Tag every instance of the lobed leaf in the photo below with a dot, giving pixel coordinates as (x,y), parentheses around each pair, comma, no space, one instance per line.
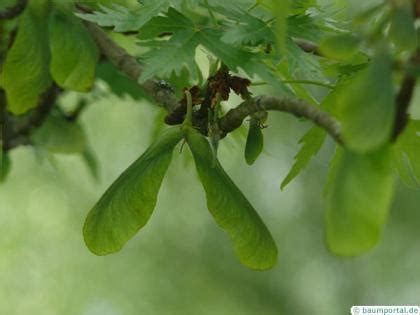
(73,52)
(253,243)
(302,65)
(243,27)
(236,58)
(124,20)
(128,203)
(358,201)
(178,52)
(312,142)
(172,22)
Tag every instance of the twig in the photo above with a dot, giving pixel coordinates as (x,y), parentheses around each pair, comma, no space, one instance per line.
(18,128)
(403,98)
(36,117)
(14,11)
(402,102)
(310,82)
(162,94)
(233,118)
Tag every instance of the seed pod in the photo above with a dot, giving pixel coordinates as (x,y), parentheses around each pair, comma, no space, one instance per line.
(128,203)
(254,142)
(253,242)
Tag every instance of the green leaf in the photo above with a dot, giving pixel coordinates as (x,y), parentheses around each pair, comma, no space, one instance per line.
(98,3)
(366,106)
(5,164)
(73,52)
(280,10)
(402,31)
(302,65)
(254,142)
(340,46)
(358,201)
(244,27)
(177,53)
(301,6)
(407,155)
(25,74)
(312,142)
(232,56)
(236,58)
(253,242)
(172,22)
(118,82)
(124,20)
(128,203)
(57,135)
(304,26)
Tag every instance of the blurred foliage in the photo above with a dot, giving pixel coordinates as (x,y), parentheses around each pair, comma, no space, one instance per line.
(171,269)
(181,263)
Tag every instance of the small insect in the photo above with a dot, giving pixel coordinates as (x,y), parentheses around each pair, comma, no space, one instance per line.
(162,84)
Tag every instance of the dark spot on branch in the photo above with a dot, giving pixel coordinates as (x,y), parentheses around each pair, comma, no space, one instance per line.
(402,103)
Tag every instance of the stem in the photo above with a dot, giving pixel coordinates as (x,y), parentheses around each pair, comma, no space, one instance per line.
(252,7)
(212,17)
(233,119)
(188,115)
(300,108)
(311,82)
(403,99)
(130,66)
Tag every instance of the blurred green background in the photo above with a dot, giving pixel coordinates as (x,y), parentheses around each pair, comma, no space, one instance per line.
(181,262)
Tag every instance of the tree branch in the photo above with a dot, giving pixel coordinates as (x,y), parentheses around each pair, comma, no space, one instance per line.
(14,11)
(162,94)
(16,129)
(300,108)
(233,119)
(403,98)
(36,117)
